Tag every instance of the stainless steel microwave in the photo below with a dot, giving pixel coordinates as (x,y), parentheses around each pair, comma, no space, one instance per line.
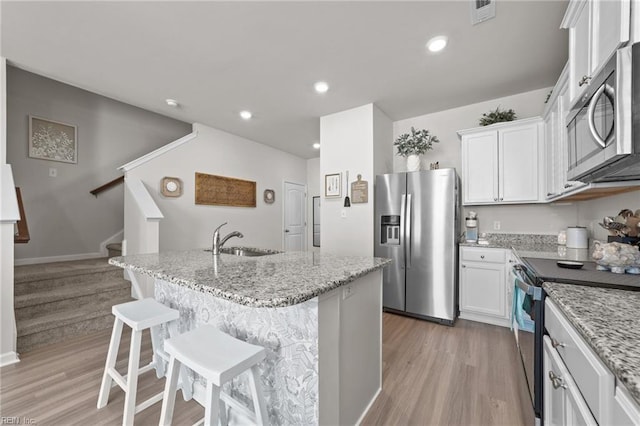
(604,126)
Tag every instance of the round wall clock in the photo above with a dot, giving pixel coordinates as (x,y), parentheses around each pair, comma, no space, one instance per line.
(269,196)
(171,187)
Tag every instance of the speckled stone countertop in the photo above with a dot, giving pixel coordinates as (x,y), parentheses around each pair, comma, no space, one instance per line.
(608,321)
(533,245)
(275,280)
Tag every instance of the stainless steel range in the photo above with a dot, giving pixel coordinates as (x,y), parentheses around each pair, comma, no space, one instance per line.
(528,319)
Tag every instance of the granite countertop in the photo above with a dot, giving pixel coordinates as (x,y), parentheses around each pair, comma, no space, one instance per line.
(275,280)
(608,321)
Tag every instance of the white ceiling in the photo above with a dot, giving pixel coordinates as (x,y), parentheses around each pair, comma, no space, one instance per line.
(217,58)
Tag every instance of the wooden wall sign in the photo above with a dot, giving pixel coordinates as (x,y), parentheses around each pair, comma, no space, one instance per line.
(360,191)
(215,190)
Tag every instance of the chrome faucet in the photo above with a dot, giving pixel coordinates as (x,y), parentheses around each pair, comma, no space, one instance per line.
(218,243)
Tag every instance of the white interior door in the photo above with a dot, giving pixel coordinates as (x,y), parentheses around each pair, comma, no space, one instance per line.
(294,217)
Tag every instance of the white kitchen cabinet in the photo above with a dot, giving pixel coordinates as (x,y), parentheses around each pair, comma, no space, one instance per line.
(596,29)
(483,289)
(579,365)
(563,403)
(501,163)
(555,146)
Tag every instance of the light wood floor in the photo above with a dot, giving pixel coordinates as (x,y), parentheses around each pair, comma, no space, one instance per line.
(432,375)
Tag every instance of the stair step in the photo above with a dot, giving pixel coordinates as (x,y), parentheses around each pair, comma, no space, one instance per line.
(114,249)
(56,270)
(104,275)
(57,327)
(99,301)
(67,291)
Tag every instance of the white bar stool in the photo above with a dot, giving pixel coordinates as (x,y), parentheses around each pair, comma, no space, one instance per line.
(218,358)
(139,315)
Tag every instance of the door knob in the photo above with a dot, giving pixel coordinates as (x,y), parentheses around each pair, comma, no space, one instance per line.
(286,230)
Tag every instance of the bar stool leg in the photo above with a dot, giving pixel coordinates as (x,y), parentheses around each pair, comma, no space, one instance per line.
(169,396)
(259,405)
(211,410)
(112,355)
(155,346)
(132,379)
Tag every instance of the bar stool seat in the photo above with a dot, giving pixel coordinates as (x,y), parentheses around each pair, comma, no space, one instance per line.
(139,315)
(218,358)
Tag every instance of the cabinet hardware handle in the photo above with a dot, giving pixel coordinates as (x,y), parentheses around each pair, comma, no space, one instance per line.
(555,343)
(556,381)
(501,199)
(495,199)
(567,185)
(464,266)
(584,80)
(482,256)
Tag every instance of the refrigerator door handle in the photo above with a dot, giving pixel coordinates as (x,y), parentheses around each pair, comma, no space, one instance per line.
(408,232)
(403,223)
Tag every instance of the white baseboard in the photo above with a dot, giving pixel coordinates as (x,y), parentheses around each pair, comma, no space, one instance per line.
(366,410)
(63,258)
(115,238)
(8,358)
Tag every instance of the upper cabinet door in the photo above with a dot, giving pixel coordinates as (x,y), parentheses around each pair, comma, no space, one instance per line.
(610,29)
(480,166)
(518,176)
(596,29)
(580,51)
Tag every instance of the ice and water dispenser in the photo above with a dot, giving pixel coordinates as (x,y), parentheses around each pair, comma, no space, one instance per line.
(390,230)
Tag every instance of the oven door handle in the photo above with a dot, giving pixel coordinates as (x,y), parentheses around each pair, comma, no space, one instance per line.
(533,291)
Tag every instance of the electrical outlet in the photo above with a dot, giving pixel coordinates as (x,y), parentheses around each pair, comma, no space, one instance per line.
(53,172)
(343,213)
(496,225)
(347,292)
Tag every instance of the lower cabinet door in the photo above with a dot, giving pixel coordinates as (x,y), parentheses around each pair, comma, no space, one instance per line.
(563,403)
(482,289)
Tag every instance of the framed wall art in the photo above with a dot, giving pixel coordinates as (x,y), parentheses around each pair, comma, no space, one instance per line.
(332,185)
(52,140)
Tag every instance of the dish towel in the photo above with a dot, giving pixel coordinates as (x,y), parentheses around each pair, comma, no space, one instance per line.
(518,313)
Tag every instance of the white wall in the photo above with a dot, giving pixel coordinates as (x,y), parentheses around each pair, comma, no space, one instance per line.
(110,133)
(349,141)
(187,225)
(313,189)
(591,212)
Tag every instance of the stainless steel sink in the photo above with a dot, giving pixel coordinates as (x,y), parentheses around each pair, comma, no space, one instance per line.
(243,252)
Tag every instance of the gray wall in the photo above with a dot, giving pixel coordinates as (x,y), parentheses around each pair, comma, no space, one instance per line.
(64,219)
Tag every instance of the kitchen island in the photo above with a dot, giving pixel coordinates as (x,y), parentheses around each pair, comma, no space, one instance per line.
(318,315)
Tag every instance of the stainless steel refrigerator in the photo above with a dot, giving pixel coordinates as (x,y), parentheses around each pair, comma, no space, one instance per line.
(417,225)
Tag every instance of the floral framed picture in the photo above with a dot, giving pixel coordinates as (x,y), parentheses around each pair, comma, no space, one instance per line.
(332,185)
(53,140)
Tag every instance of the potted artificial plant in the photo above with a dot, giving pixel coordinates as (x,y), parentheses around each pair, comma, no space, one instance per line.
(413,145)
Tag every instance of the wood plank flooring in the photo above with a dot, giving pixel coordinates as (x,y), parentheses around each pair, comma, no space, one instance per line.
(432,375)
(438,375)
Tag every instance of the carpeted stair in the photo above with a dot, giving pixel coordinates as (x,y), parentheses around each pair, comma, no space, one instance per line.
(55,301)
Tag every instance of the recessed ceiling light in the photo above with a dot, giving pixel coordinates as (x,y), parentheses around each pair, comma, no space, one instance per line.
(321,86)
(316,145)
(246,115)
(436,44)
(172,103)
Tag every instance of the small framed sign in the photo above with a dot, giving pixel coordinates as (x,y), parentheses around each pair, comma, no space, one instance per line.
(360,191)
(332,185)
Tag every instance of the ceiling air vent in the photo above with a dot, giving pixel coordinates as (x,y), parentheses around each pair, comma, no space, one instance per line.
(482,10)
